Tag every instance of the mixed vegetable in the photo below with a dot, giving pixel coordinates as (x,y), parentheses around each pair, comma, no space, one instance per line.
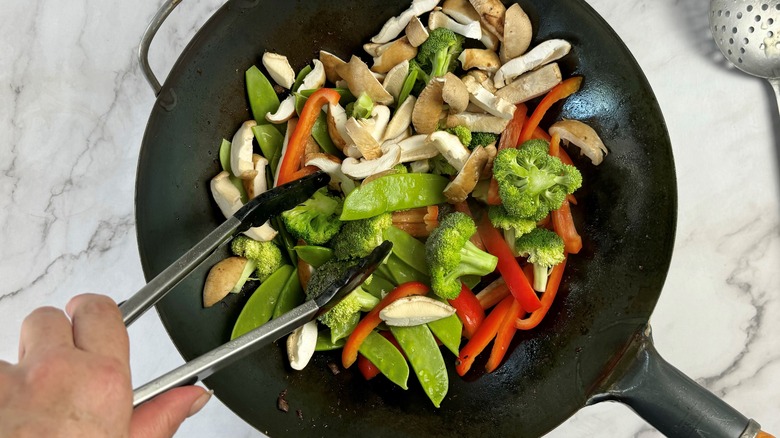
(437,148)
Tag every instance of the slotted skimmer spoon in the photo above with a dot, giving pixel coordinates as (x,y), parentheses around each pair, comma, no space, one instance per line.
(748,34)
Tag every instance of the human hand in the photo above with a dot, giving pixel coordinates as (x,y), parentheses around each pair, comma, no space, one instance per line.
(73,379)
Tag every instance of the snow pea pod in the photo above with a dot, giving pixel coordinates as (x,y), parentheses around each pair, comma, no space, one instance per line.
(262,97)
(378,286)
(383,354)
(324,342)
(313,254)
(341,331)
(260,306)
(290,296)
(393,193)
(403,273)
(420,348)
(407,248)
(270,141)
(300,77)
(448,330)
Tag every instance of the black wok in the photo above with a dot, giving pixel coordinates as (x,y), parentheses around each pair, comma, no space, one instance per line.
(594,345)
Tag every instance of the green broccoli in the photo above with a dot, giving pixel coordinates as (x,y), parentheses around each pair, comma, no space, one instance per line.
(463,133)
(531,183)
(361,108)
(544,249)
(440,166)
(439,53)
(265,255)
(415,81)
(344,316)
(482,139)
(513,227)
(358,238)
(451,255)
(315,221)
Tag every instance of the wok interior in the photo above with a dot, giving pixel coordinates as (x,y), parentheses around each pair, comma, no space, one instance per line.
(626,214)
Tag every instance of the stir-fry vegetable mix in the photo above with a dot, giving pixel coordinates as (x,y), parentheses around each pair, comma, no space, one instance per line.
(437,147)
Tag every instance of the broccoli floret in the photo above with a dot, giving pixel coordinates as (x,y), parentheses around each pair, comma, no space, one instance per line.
(440,166)
(531,183)
(266,255)
(463,133)
(439,53)
(358,238)
(343,313)
(513,226)
(482,139)
(451,255)
(544,249)
(315,221)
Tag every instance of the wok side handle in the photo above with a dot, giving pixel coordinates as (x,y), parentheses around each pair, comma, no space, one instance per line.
(146,42)
(668,399)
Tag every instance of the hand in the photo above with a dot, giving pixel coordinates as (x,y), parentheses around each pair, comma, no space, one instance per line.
(73,379)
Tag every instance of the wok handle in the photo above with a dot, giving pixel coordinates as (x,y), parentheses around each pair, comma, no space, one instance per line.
(146,41)
(668,399)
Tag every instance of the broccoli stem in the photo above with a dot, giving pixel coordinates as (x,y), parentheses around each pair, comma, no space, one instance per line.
(540,277)
(440,63)
(510,236)
(473,261)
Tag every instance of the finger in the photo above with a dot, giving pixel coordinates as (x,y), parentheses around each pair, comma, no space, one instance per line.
(161,416)
(44,328)
(98,326)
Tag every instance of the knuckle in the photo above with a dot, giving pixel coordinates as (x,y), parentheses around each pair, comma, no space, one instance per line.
(99,305)
(41,312)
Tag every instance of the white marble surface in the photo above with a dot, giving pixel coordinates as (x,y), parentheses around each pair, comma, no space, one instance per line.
(73,106)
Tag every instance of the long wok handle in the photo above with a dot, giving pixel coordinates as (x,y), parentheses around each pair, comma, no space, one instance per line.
(146,42)
(668,399)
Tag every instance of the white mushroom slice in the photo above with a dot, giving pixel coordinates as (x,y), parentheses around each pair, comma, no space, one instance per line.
(400,137)
(582,136)
(364,168)
(454,94)
(399,50)
(490,41)
(341,83)
(394,26)
(376,49)
(352,151)
(241,151)
(316,77)
(532,84)
(279,68)
(228,199)
(417,147)
(394,79)
(258,184)
(332,166)
(450,147)
(360,80)
(460,10)
(459,188)
(491,13)
(291,124)
(380,116)
(439,19)
(301,344)
(378,76)
(222,279)
(401,120)
(263,233)
(337,120)
(472,108)
(544,53)
(428,108)
(414,310)
(420,166)
(285,112)
(487,169)
(478,122)
(363,139)
(488,101)
(517,32)
(481,59)
(329,64)
(482,79)
(416,32)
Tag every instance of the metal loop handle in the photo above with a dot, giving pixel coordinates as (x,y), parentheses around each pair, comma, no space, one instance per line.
(146,41)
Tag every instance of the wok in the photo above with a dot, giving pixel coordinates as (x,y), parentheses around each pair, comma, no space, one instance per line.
(594,345)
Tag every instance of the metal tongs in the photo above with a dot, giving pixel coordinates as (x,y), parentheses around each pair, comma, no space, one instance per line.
(253,214)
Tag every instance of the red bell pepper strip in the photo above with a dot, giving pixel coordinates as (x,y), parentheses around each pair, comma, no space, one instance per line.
(469,311)
(289,167)
(555,145)
(507,265)
(563,224)
(506,331)
(463,207)
(371,320)
(493,197)
(539,134)
(560,91)
(485,333)
(367,369)
(512,131)
(553,283)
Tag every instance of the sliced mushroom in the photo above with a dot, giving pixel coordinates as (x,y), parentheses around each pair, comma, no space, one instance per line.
(222,278)
(363,139)
(532,84)
(399,51)
(310,148)
(416,32)
(544,53)
(394,26)
(478,122)
(487,170)
(329,64)
(368,179)
(438,19)
(291,124)
(420,166)
(241,151)
(488,101)
(406,133)
(364,168)
(225,194)
(482,79)
(481,59)
(337,120)
(450,148)
(394,79)
(380,117)
(459,188)
(379,76)
(417,147)
(301,344)
(414,310)
(428,108)
(316,77)
(454,94)
(489,39)
(517,32)
(360,80)
(258,184)
(285,112)
(460,10)
(376,49)
(401,120)
(491,13)
(332,166)
(263,233)
(582,136)
(279,68)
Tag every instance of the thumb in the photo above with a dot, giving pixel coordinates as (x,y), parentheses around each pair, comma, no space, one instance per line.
(161,416)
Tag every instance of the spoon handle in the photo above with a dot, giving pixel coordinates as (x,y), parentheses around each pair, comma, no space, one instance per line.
(776,86)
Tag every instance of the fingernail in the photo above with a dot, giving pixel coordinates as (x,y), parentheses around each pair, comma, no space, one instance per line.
(200,402)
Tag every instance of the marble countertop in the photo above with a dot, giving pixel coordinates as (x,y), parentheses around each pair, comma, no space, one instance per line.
(73,107)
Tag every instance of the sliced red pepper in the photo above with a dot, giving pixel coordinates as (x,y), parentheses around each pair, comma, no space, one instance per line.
(512,131)
(539,134)
(469,311)
(560,91)
(463,207)
(506,331)
(371,320)
(563,224)
(553,283)
(507,265)
(296,146)
(555,145)
(367,368)
(493,197)
(485,333)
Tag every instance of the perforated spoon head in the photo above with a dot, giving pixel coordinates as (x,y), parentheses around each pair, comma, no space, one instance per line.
(748,34)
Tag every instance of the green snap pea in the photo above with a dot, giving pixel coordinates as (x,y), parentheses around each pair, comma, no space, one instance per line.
(420,348)
(383,354)
(300,77)
(260,306)
(384,272)
(378,286)
(270,141)
(324,342)
(407,248)
(224,161)
(392,193)
(291,295)
(341,331)
(448,330)
(403,273)
(284,239)
(262,97)
(313,254)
